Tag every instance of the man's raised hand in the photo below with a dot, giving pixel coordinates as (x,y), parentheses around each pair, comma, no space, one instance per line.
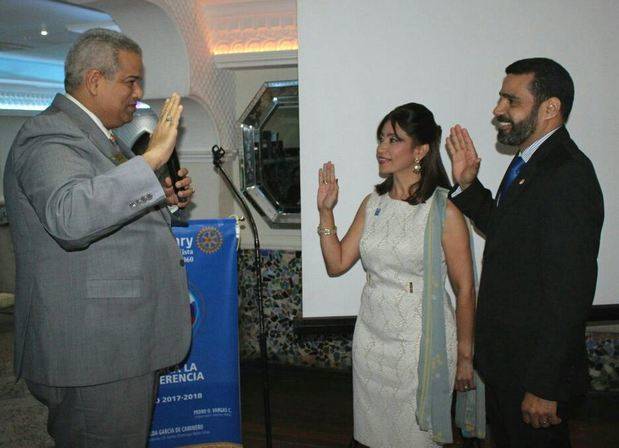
(464,159)
(163,139)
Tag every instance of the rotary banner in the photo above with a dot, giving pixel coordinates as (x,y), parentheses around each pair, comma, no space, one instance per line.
(198,401)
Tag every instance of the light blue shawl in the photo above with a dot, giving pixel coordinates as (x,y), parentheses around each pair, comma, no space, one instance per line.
(435,387)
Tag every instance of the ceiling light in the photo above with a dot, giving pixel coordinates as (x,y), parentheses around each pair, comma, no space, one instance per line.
(44,31)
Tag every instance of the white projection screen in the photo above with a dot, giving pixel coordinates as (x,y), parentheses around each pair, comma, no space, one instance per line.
(360,58)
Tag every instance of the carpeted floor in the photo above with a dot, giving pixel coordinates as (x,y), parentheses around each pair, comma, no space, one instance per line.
(22,418)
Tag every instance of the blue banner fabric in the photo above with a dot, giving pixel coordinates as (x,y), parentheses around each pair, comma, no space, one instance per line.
(198,402)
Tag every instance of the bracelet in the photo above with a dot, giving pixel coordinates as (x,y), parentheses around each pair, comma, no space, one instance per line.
(326,231)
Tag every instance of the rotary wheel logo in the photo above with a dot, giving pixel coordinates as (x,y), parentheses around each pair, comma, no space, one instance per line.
(209,240)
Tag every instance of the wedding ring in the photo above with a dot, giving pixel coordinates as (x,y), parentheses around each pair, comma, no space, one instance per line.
(324,181)
(168,118)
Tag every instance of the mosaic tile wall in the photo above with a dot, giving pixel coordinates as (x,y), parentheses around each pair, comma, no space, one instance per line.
(603,353)
(282,304)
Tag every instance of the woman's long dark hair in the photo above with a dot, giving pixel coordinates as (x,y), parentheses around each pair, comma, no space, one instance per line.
(418,123)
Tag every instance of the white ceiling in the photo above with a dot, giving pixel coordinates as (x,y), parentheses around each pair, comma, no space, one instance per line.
(31,62)
(21,22)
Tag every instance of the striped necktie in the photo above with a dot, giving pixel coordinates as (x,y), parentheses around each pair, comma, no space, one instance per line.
(118,157)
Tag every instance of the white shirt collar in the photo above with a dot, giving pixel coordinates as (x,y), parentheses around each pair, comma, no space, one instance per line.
(528,152)
(94,118)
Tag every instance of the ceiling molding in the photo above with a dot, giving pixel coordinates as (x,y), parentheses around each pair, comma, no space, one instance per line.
(223,8)
(257,60)
(81,28)
(251,27)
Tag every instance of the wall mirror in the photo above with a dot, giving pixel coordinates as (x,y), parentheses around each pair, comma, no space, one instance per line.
(270,160)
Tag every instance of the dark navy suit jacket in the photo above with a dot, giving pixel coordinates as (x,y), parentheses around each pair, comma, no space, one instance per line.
(539,271)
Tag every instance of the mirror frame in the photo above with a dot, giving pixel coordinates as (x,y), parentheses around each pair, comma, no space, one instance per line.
(269,97)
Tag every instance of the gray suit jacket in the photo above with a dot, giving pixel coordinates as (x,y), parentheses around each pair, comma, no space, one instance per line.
(101,290)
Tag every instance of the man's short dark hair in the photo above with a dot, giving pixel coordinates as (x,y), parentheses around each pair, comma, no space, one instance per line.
(551,80)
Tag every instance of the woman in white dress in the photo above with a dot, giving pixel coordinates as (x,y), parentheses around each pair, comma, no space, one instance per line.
(388,234)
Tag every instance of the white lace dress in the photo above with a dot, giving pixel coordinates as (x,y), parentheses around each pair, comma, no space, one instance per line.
(388,329)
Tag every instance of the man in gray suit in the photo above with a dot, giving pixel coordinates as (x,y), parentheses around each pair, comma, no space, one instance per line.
(101,299)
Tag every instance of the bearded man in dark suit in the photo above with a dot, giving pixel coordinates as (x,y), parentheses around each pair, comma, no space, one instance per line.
(539,266)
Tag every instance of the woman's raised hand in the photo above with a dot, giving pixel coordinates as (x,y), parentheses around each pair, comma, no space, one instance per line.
(327,187)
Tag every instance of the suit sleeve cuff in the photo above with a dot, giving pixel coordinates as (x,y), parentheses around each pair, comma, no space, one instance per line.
(143,186)
(458,193)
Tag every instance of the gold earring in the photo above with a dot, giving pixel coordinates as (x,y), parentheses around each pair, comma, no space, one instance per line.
(417,166)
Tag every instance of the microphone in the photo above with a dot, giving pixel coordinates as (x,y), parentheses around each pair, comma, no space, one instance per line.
(174,166)
(179,217)
(218,155)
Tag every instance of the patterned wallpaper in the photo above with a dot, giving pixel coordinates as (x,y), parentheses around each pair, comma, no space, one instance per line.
(213,88)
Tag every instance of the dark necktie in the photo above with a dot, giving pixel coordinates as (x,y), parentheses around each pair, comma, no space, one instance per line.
(512,173)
